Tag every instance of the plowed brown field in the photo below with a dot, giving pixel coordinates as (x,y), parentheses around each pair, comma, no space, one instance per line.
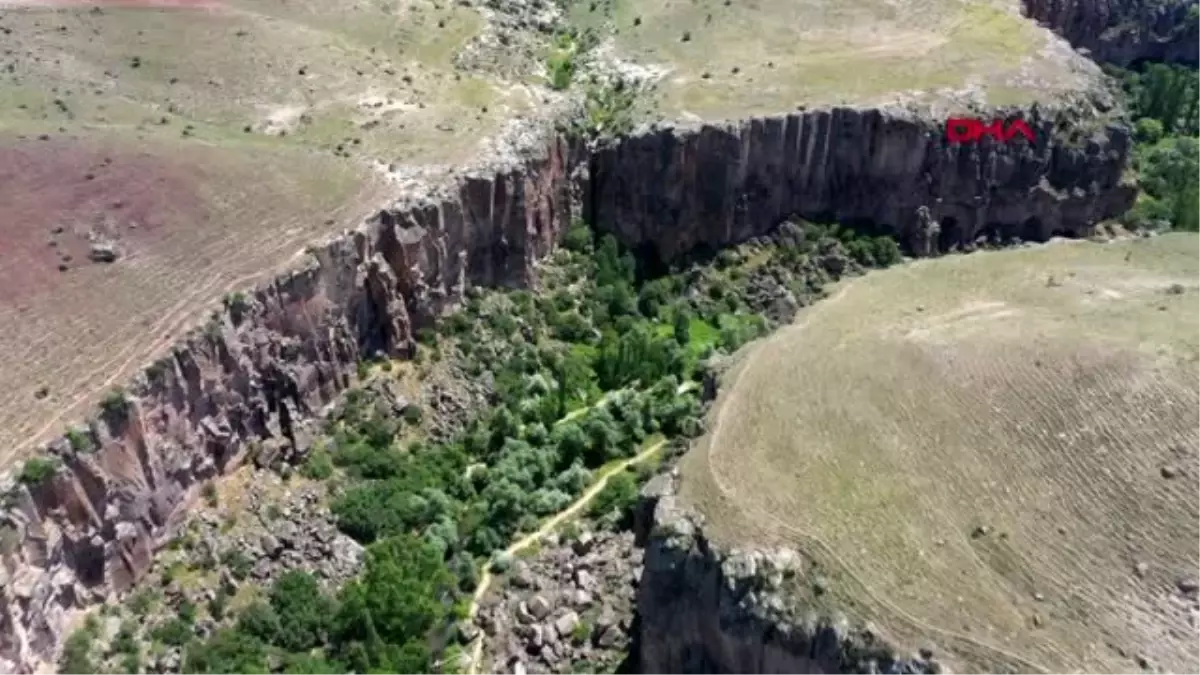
(210,141)
(191,222)
(993,453)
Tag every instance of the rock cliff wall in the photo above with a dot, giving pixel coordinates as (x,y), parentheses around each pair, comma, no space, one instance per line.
(246,381)
(703,610)
(1125,31)
(677,190)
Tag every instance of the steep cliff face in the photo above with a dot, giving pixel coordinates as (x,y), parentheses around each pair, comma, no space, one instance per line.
(244,382)
(703,610)
(717,184)
(1125,31)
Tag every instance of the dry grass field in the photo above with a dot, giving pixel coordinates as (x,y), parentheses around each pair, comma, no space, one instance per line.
(210,141)
(993,454)
(192,222)
(730,58)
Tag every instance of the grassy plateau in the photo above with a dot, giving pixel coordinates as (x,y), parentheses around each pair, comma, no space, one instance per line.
(733,58)
(993,452)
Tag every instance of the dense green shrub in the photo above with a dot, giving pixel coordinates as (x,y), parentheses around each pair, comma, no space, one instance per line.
(1166,124)
(76,655)
(619,496)
(1168,173)
(430,514)
(175,632)
(386,614)
(318,465)
(229,650)
(303,611)
(38,469)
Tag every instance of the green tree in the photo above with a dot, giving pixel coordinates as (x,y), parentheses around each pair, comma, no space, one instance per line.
(304,612)
(571,442)
(1167,94)
(404,592)
(1148,130)
(227,651)
(308,664)
(681,327)
(613,267)
(578,237)
(259,621)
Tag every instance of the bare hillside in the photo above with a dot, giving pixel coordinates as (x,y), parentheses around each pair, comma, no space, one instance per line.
(194,148)
(729,58)
(992,453)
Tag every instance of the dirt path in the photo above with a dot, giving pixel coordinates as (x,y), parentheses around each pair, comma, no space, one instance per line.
(485,581)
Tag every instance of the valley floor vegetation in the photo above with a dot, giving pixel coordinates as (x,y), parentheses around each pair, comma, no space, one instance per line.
(584,373)
(1163,101)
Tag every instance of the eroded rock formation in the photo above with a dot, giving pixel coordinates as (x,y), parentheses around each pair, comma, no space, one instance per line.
(718,184)
(243,382)
(705,610)
(1125,31)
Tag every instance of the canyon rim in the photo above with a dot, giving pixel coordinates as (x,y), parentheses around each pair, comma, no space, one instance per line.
(254,376)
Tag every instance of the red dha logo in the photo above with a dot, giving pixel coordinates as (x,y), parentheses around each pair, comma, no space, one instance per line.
(966,130)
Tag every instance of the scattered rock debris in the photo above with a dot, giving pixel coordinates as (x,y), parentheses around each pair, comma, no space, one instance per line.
(570,603)
(103,252)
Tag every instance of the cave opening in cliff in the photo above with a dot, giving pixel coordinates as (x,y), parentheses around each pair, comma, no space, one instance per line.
(992,234)
(1031,230)
(700,254)
(866,227)
(950,236)
(650,262)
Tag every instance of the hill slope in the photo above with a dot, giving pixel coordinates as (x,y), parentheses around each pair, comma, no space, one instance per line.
(993,452)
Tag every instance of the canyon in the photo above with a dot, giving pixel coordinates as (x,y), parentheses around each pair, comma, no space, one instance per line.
(1125,31)
(249,378)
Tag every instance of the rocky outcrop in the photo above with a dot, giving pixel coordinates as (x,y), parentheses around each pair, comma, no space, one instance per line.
(1125,31)
(244,381)
(677,190)
(705,610)
(568,604)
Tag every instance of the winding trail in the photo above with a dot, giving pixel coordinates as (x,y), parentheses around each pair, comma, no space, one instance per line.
(485,581)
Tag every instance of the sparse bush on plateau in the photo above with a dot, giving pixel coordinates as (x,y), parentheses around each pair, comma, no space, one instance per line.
(209,492)
(236,302)
(78,439)
(115,402)
(38,469)
(562,68)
